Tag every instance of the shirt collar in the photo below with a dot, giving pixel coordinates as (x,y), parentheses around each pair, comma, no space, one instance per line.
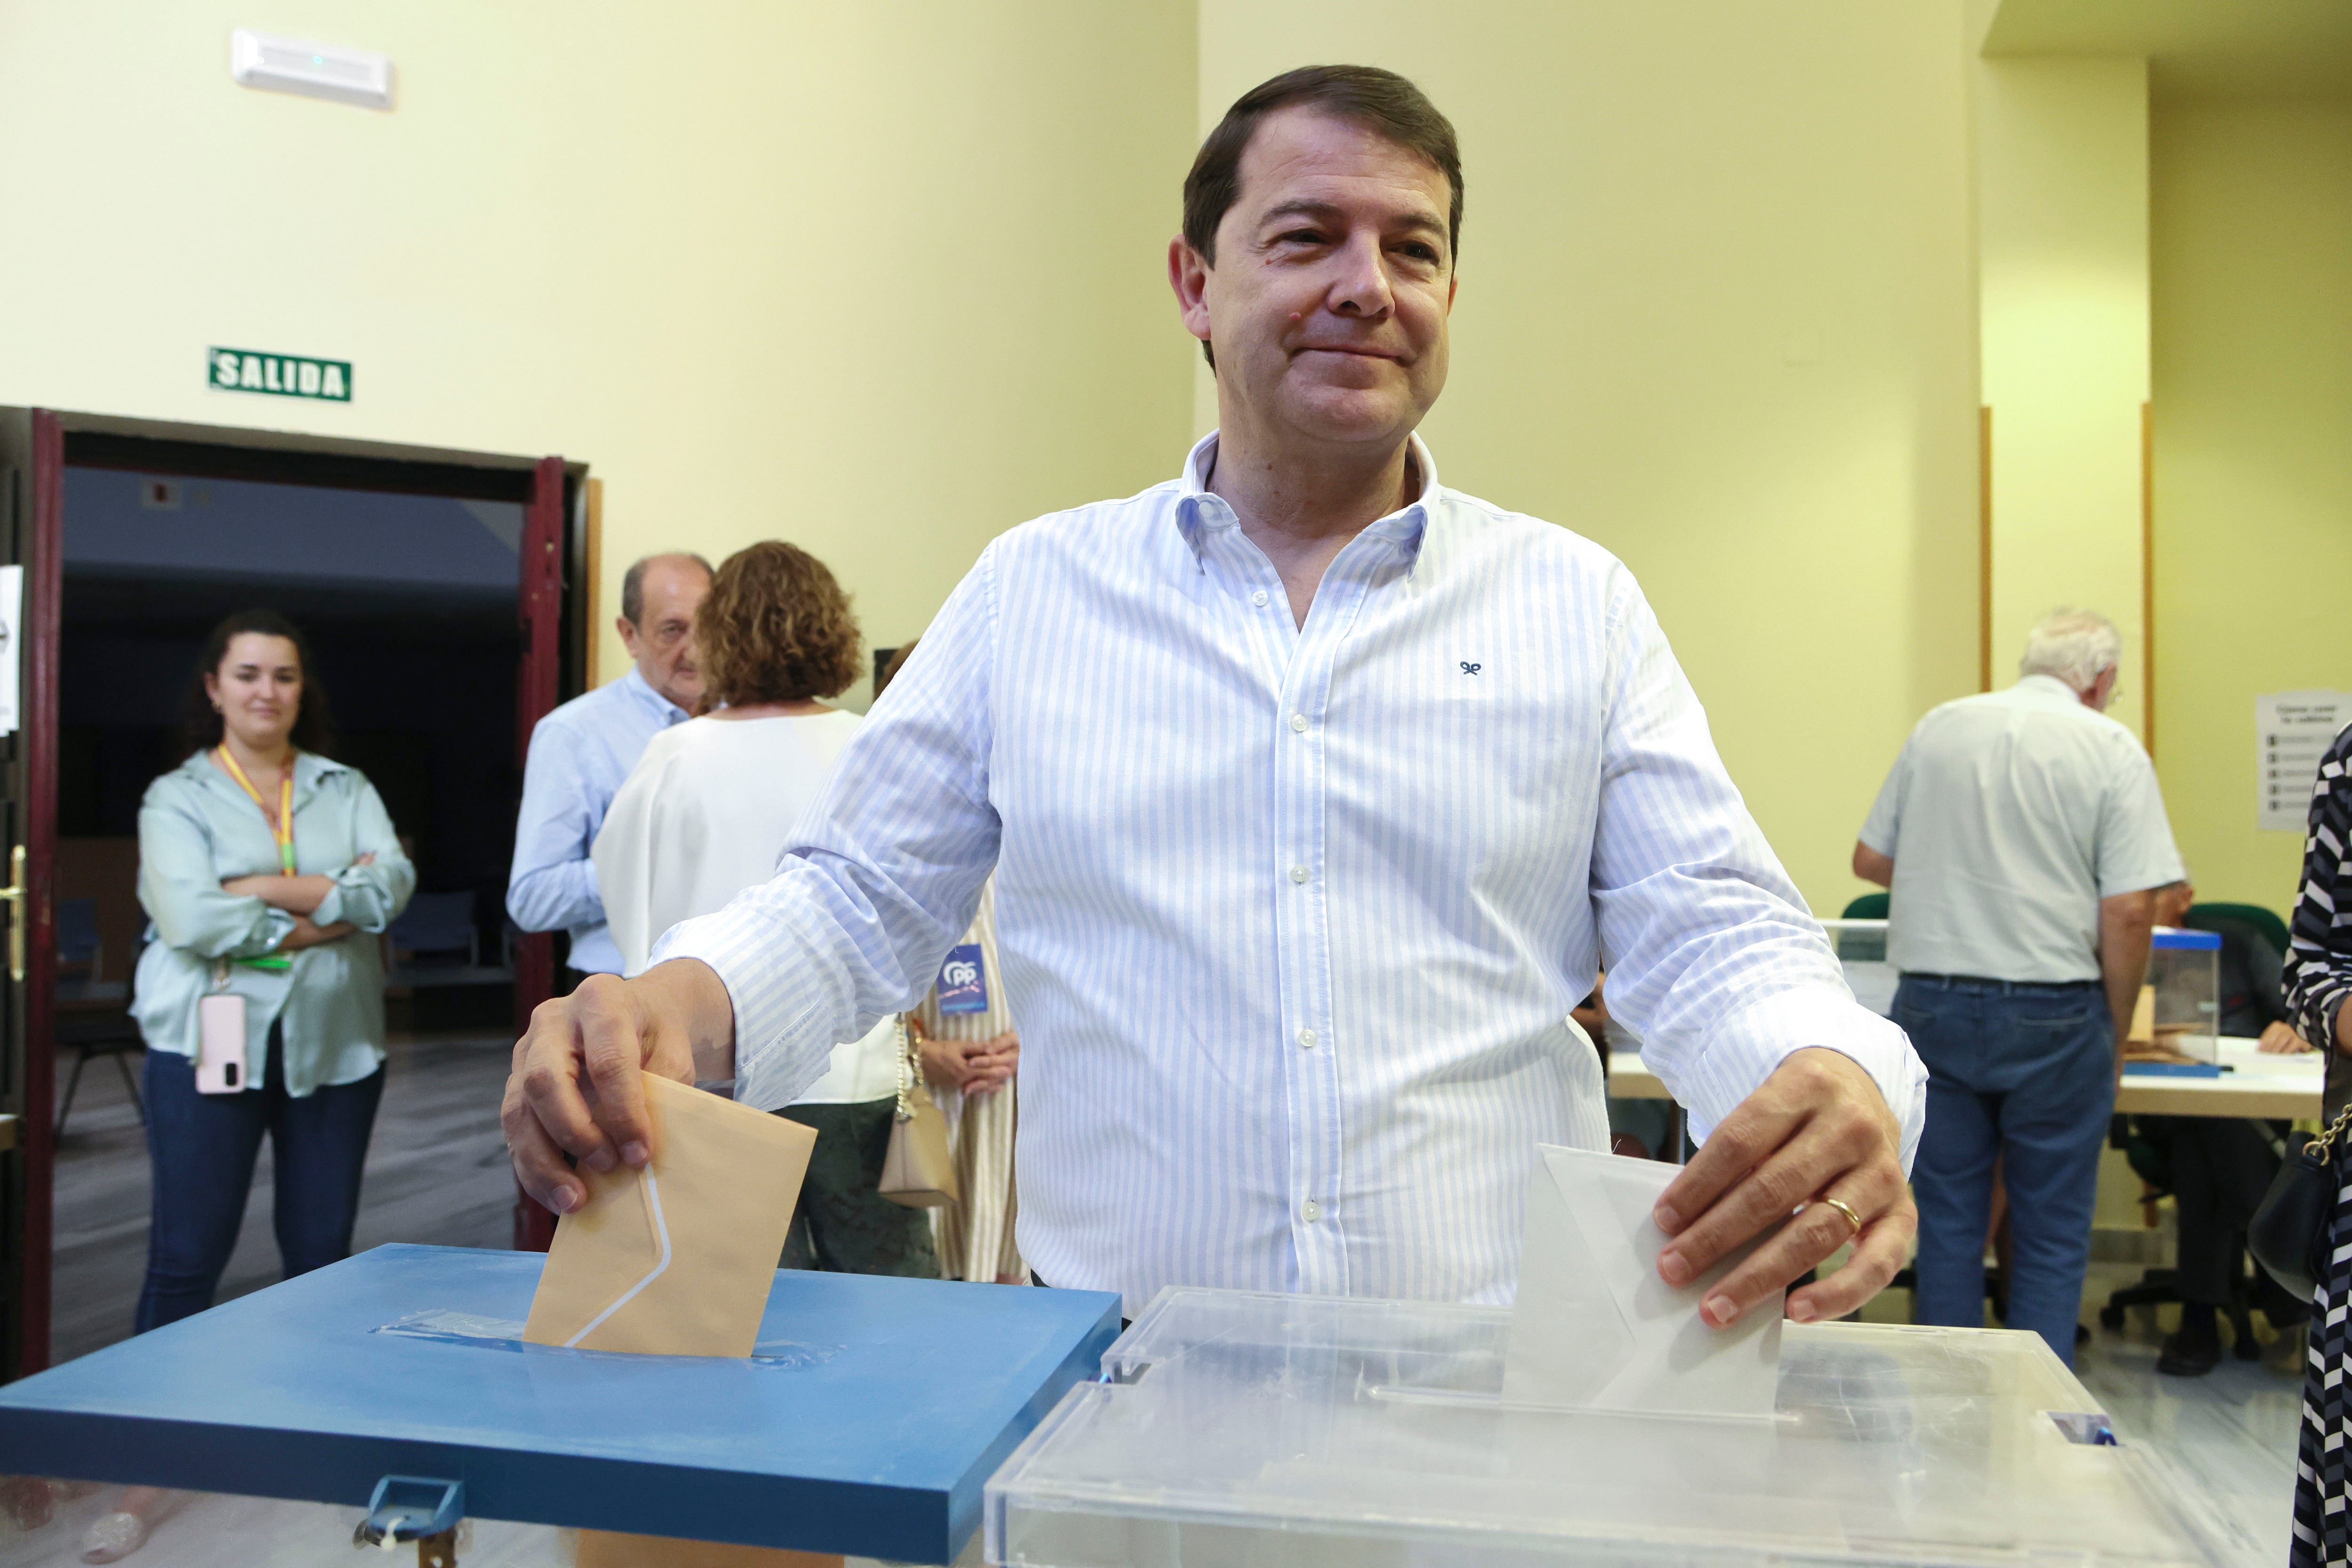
(310,767)
(642,692)
(1198,511)
(2048,686)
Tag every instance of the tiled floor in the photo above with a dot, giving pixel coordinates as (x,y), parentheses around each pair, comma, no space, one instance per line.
(2230,1434)
(437,1171)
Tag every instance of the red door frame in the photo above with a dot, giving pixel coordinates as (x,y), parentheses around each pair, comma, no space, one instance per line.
(44,585)
(536,688)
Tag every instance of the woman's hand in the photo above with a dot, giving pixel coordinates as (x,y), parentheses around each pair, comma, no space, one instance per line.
(295,895)
(2280,1040)
(306,934)
(971,1067)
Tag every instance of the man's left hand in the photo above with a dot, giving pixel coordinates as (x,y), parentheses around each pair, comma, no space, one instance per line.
(1817,1129)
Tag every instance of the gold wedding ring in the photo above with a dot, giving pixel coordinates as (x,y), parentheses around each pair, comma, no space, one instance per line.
(1844,1208)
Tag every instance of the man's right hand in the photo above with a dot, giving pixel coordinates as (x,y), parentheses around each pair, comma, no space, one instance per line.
(574,1089)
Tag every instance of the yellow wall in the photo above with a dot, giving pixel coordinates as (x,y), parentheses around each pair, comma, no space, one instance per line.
(2252,246)
(2062,150)
(882,278)
(1717,311)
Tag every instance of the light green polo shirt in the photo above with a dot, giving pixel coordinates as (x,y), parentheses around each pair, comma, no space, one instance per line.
(2008,816)
(197,830)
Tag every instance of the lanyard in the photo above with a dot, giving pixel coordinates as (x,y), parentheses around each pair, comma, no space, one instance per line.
(283,828)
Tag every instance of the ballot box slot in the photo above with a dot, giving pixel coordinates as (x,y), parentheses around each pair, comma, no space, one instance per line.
(2088,1426)
(1496,1401)
(506,1334)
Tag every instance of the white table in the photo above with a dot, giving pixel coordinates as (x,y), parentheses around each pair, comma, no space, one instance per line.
(2251,1084)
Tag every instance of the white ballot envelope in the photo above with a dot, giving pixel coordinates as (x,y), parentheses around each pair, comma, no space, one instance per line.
(1595,1328)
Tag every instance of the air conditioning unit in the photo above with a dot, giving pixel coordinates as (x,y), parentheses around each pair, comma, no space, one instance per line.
(276,64)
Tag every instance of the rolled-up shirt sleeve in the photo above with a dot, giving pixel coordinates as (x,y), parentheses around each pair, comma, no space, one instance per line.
(181,889)
(554,884)
(2318,975)
(372,896)
(1713,958)
(884,877)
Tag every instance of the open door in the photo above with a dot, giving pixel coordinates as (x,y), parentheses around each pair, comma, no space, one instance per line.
(32,511)
(537,686)
(34,447)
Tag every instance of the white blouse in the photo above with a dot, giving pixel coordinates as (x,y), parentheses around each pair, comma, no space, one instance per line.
(705,813)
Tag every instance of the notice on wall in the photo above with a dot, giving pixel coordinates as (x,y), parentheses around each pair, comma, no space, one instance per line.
(2293,729)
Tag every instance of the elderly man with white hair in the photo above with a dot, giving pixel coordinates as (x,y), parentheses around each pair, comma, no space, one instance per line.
(2022,835)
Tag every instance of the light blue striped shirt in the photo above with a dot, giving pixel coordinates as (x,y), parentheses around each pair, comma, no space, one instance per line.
(1291,918)
(580,753)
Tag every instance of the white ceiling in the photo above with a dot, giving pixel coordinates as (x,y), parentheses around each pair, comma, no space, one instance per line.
(2196,49)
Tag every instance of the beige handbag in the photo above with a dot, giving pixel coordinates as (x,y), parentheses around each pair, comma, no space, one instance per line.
(918,1171)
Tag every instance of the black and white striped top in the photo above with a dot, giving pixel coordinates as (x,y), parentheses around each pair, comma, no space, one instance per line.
(2319,957)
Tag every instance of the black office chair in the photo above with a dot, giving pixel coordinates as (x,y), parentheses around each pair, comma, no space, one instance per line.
(2161,1287)
(110,1032)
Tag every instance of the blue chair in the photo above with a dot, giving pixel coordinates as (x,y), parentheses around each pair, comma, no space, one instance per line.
(80,954)
(437,923)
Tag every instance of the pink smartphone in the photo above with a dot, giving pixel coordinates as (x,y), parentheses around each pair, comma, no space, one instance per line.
(220,1044)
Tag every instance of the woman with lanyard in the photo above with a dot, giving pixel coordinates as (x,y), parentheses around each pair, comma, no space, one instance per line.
(259,861)
(258,857)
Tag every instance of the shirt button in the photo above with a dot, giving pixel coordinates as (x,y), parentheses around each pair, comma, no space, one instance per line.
(1307,1038)
(1298,722)
(1310,1211)
(1258,598)
(1298,873)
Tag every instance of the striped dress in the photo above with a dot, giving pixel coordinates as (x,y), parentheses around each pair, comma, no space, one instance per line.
(975,1236)
(2318,981)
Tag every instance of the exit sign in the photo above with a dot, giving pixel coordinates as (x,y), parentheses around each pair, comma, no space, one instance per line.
(279,375)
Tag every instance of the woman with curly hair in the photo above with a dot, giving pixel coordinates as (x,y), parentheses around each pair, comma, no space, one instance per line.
(706,813)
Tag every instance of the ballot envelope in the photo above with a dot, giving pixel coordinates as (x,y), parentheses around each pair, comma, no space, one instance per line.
(1235,1429)
(865,1421)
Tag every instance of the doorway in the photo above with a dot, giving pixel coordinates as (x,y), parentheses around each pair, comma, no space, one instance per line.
(438,590)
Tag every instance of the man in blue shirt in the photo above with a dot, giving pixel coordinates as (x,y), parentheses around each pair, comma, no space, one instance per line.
(580,752)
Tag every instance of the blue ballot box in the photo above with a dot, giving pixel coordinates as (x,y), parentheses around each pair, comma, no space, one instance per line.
(867,1422)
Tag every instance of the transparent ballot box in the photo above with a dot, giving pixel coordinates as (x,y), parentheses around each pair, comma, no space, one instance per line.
(1238,1430)
(2184,986)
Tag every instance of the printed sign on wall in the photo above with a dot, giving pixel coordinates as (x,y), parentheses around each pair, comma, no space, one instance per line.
(279,375)
(2293,729)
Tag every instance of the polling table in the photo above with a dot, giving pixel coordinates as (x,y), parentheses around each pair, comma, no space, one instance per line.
(865,1421)
(2249,1082)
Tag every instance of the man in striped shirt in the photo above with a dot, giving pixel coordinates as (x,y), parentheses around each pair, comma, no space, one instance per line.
(1315,793)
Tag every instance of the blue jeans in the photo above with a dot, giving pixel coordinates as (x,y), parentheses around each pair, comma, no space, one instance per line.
(201,1149)
(2025,1075)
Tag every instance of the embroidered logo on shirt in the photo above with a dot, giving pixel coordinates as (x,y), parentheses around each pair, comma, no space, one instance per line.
(963,981)
(1469,668)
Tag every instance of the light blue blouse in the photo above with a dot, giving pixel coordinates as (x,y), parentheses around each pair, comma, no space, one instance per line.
(198,829)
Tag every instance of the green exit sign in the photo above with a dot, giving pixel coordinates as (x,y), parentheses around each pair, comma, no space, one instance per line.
(280,376)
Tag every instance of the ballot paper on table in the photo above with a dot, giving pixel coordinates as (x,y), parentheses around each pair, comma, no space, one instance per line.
(1596,1328)
(677,1259)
